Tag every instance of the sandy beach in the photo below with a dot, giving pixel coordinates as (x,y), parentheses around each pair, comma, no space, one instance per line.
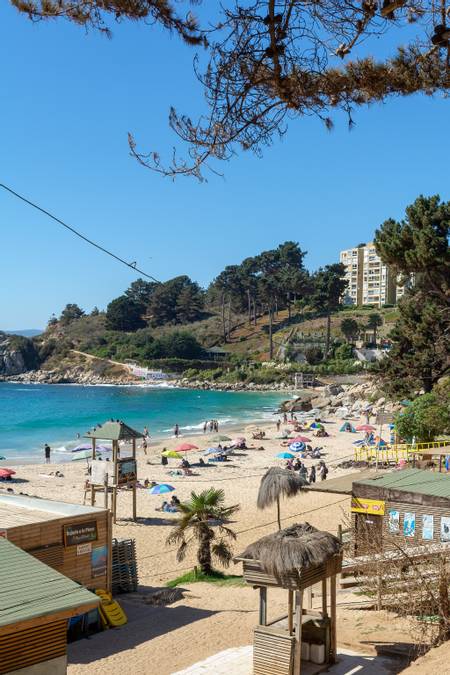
(209,618)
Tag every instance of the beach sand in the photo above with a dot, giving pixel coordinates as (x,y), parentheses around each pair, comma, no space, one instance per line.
(210,618)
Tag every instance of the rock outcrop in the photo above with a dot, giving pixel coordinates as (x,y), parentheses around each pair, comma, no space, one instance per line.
(17,355)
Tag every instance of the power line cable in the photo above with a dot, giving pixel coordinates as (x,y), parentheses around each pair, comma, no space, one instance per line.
(131,265)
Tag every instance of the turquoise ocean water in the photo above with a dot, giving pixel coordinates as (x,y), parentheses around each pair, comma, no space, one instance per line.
(31,415)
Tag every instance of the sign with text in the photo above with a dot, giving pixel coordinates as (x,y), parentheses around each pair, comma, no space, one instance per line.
(374,507)
(80,533)
(126,471)
(82,549)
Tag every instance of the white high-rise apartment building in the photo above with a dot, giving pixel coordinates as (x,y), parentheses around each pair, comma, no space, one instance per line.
(370,281)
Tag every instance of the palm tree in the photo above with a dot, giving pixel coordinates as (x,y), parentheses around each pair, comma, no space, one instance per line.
(276,483)
(194,524)
(374,321)
(349,328)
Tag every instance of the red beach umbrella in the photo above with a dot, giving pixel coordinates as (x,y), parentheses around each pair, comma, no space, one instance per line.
(184,447)
(5,473)
(301,439)
(365,427)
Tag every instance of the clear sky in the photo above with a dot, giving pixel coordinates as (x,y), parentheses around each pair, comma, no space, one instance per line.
(67,101)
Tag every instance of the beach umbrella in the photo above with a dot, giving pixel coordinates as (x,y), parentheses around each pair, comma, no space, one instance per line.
(277,483)
(285,455)
(5,473)
(82,454)
(365,427)
(297,447)
(161,489)
(301,439)
(220,439)
(185,447)
(172,454)
(88,446)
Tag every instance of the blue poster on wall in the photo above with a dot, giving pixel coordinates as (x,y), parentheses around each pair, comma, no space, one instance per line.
(409,524)
(427,527)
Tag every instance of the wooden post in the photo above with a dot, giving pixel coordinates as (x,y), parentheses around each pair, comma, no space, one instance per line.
(309,597)
(333,617)
(114,489)
(339,532)
(290,612)
(440,463)
(92,487)
(106,491)
(263,606)
(324,598)
(133,446)
(298,632)
(109,565)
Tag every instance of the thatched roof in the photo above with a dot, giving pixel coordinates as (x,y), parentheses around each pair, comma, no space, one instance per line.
(290,550)
(276,483)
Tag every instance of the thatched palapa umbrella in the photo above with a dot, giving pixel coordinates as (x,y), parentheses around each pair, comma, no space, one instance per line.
(289,550)
(277,483)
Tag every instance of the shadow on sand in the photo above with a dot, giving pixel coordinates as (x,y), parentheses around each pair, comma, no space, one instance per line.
(145,622)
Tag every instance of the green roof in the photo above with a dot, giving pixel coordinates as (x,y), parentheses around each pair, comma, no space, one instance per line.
(114,431)
(31,589)
(413,480)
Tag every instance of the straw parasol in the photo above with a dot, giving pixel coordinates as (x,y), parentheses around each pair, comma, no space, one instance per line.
(276,483)
(287,551)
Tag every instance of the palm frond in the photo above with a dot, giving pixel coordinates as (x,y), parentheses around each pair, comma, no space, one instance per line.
(222,552)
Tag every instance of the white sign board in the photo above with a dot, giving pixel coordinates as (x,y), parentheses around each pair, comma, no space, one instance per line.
(84,548)
(99,472)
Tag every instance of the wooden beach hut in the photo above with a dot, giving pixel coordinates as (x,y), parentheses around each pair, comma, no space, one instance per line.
(36,603)
(410,507)
(124,468)
(296,558)
(72,539)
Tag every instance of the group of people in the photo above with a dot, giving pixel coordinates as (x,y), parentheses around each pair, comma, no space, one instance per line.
(211,426)
(170,507)
(297,465)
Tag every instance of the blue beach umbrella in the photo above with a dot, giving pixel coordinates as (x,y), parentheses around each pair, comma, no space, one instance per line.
(297,447)
(161,489)
(285,455)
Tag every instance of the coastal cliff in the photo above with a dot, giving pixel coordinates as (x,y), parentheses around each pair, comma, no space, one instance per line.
(17,355)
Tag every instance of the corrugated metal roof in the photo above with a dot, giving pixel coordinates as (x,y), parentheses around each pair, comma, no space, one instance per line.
(113,431)
(31,589)
(414,480)
(341,485)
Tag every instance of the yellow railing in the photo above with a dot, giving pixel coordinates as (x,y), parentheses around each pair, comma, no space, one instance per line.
(394,453)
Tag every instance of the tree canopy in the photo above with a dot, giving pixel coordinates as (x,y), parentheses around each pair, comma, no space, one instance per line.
(269,61)
(418,247)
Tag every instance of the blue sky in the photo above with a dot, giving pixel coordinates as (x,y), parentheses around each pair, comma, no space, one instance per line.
(68,100)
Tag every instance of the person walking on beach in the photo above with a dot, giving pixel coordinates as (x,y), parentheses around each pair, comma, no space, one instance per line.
(144,444)
(146,433)
(278,425)
(176,431)
(285,418)
(323,471)
(312,474)
(47,451)
(205,427)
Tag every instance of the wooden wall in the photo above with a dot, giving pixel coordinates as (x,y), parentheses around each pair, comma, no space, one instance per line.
(420,510)
(45,541)
(38,644)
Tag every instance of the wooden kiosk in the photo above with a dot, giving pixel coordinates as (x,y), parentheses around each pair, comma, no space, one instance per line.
(123,471)
(304,640)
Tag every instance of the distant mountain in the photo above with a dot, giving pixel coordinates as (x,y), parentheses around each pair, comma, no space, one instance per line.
(26,332)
